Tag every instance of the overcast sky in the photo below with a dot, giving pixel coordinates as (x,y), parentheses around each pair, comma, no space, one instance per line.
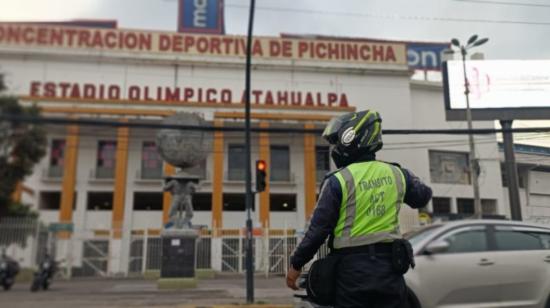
(517,29)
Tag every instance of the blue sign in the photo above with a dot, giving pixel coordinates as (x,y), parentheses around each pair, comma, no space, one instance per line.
(425,56)
(201,16)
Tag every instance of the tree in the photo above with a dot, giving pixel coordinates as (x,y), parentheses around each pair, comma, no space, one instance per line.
(22,145)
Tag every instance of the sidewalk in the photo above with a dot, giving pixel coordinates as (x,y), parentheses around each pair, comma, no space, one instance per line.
(215,293)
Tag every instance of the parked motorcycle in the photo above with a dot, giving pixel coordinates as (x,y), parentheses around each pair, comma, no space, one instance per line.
(43,277)
(9,268)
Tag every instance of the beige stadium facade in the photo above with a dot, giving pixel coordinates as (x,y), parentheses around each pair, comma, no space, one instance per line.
(131,76)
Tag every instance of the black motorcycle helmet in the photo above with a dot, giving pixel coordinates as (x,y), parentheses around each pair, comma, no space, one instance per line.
(354,135)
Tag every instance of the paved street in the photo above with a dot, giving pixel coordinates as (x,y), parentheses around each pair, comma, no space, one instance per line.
(143,293)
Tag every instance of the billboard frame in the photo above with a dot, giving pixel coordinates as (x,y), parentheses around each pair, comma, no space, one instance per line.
(489,114)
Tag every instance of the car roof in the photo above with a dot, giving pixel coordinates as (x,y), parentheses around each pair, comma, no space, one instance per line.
(466,222)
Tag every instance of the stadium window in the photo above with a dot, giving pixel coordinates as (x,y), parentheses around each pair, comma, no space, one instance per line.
(236,162)
(100,201)
(202,202)
(322,162)
(151,163)
(57,154)
(465,206)
(106,159)
(148,201)
(441,205)
(234,202)
(282,202)
(280,163)
(449,167)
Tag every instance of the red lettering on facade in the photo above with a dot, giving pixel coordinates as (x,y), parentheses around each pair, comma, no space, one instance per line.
(189,43)
(202,44)
(226,96)
(268,98)
(211,95)
(177,43)
(309,99)
(49,89)
(320,100)
(302,49)
(64,88)
(390,54)
(256,94)
(134,93)
(282,98)
(35,88)
(215,46)
(188,94)
(343,100)
(75,91)
(378,53)
(257,48)
(89,91)
(287,49)
(332,98)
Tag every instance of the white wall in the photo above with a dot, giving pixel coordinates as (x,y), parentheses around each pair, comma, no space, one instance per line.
(428,112)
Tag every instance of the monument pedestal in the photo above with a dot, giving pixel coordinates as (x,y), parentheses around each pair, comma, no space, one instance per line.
(177,269)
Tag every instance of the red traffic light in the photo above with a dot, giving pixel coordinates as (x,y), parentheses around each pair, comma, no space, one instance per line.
(261,165)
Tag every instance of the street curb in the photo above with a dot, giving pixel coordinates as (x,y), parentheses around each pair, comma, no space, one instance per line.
(238,306)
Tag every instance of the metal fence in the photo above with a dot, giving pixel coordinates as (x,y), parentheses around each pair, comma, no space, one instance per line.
(26,240)
(108,253)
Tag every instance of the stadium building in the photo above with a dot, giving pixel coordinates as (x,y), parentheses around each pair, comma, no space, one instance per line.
(107,181)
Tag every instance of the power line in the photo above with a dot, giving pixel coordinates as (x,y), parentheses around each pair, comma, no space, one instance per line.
(392,16)
(505,3)
(240,128)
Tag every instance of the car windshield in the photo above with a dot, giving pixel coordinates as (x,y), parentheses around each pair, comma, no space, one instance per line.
(417,236)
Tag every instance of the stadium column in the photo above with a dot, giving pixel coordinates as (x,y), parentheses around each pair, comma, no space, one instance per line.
(309,172)
(217,181)
(264,196)
(119,195)
(217,197)
(166,196)
(69,178)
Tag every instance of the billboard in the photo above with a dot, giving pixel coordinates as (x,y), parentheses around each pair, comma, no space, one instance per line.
(201,16)
(499,89)
(426,56)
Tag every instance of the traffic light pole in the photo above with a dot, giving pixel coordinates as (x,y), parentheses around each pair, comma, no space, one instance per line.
(249,199)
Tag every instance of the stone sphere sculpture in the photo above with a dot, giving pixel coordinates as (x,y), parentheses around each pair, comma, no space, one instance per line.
(184,148)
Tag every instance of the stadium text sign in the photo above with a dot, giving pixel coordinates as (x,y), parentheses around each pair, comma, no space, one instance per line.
(182,95)
(168,43)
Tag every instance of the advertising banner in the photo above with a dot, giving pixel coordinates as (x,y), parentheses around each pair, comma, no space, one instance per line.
(500,89)
(201,16)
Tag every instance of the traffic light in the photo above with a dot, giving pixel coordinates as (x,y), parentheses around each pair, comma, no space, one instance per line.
(261,173)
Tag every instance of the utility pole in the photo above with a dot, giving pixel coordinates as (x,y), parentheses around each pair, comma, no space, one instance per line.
(511,169)
(474,163)
(249,198)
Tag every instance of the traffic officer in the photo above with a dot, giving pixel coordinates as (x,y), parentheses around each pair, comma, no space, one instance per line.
(358,207)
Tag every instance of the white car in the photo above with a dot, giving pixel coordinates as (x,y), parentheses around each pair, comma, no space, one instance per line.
(480,263)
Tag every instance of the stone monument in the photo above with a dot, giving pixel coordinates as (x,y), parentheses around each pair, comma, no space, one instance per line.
(183,149)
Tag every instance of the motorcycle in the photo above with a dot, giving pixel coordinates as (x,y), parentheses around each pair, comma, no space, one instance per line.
(8,270)
(302,300)
(43,277)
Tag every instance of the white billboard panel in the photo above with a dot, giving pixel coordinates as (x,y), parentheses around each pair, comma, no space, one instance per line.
(499,89)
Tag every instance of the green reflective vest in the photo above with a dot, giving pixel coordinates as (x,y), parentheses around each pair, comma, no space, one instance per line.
(372,194)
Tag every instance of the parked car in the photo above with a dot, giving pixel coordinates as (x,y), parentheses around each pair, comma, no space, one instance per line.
(480,263)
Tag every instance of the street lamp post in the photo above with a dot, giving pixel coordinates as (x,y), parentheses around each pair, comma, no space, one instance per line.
(473,41)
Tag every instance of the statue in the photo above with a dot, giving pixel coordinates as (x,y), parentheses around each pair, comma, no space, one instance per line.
(183,149)
(182,192)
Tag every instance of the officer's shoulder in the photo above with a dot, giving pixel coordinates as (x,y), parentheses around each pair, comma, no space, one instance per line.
(391,163)
(330,174)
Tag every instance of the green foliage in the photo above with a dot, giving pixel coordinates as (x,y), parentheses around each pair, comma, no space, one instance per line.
(22,145)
